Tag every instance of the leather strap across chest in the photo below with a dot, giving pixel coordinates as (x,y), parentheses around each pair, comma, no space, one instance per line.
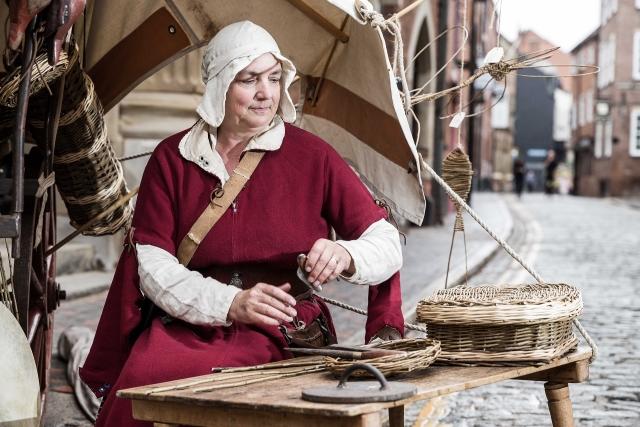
(221,199)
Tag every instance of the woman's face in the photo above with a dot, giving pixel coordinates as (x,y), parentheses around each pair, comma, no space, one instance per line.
(254,95)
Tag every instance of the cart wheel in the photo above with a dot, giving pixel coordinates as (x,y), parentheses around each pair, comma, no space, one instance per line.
(35,272)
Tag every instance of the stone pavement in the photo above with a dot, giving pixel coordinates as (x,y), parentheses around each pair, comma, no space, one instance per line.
(593,244)
(424,269)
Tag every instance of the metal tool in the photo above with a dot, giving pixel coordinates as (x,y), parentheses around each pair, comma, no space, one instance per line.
(361,391)
(347,354)
(302,275)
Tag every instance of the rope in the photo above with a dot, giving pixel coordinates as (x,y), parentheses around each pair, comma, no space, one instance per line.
(341,304)
(45,183)
(391,26)
(498,71)
(135,156)
(505,246)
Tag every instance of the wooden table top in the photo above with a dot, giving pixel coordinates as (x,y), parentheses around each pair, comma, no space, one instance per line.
(283,395)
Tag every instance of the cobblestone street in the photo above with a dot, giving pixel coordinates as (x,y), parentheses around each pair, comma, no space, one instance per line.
(593,244)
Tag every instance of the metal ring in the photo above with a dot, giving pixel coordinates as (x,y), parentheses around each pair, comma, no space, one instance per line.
(217,193)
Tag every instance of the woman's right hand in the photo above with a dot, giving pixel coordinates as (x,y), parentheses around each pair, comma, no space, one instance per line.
(263,304)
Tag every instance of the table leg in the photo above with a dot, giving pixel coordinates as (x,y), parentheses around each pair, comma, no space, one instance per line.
(559,404)
(396,416)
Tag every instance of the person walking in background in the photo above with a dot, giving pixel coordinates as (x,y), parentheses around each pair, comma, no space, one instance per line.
(550,166)
(518,176)
(530,180)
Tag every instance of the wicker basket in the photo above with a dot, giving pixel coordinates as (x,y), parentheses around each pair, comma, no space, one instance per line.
(486,324)
(421,353)
(89,176)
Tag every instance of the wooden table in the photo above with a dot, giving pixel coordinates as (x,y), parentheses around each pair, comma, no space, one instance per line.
(277,403)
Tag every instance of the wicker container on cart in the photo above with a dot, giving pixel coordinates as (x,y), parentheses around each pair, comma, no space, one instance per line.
(509,324)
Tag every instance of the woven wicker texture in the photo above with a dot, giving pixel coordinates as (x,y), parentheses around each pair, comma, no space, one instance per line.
(42,74)
(457,172)
(420,354)
(88,175)
(511,323)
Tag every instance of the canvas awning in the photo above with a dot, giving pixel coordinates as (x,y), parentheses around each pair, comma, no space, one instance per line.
(358,109)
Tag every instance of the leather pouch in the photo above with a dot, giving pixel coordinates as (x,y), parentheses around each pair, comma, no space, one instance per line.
(314,335)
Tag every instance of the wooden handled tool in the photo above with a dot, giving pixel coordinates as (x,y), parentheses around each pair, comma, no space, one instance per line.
(347,354)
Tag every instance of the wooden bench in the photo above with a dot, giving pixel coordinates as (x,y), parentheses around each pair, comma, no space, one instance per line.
(277,403)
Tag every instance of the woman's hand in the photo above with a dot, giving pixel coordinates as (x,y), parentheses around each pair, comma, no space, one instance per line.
(326,261)
(263,304)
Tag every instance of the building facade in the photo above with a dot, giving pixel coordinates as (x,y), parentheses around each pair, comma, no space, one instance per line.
(543,111)
(616,162)
(583,118)
(608,151)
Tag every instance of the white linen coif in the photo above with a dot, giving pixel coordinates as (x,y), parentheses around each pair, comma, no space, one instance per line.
(231,50)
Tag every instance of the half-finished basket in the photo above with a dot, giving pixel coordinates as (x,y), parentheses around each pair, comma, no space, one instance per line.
(420,354)
(486,324)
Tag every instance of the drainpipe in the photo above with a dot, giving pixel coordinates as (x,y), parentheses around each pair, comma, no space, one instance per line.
(438,194)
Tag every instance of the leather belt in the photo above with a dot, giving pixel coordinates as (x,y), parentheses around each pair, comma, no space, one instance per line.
(246,276)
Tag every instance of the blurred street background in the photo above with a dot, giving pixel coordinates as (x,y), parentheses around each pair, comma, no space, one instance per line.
(556,157)
(569,240)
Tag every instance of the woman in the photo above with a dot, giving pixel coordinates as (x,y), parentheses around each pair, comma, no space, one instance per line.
(300,189)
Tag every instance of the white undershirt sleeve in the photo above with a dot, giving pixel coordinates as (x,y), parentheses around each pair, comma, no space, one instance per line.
(376,254)
(180,292)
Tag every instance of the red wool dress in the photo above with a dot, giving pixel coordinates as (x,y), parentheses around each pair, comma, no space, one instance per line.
(293,198)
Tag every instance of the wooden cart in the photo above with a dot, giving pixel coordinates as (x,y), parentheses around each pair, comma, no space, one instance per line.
(28,218)
(278,403)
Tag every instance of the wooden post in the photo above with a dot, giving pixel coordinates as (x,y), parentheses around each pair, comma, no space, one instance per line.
(559,404)
(396,416)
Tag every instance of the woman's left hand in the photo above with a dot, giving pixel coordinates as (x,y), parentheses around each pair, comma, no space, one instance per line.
(326,261)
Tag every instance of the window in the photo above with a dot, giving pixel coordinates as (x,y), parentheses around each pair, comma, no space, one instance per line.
(634,133)
(609,8)
(589,57)
(603,144)
(637,4)
(608,139)
(606,59)
(588,106)
(636,56)
(598,143)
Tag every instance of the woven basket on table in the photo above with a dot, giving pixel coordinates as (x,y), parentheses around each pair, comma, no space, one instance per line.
(485,324)
(420,354)
(88,174)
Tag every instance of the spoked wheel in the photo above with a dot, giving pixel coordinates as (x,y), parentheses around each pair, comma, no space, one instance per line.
(35,271)
(32,222)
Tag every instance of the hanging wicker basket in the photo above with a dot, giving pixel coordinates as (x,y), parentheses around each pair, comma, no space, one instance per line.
(88,174)
(489,324)
(420,354)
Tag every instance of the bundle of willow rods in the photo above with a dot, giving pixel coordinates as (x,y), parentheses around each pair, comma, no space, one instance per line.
(242,376)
